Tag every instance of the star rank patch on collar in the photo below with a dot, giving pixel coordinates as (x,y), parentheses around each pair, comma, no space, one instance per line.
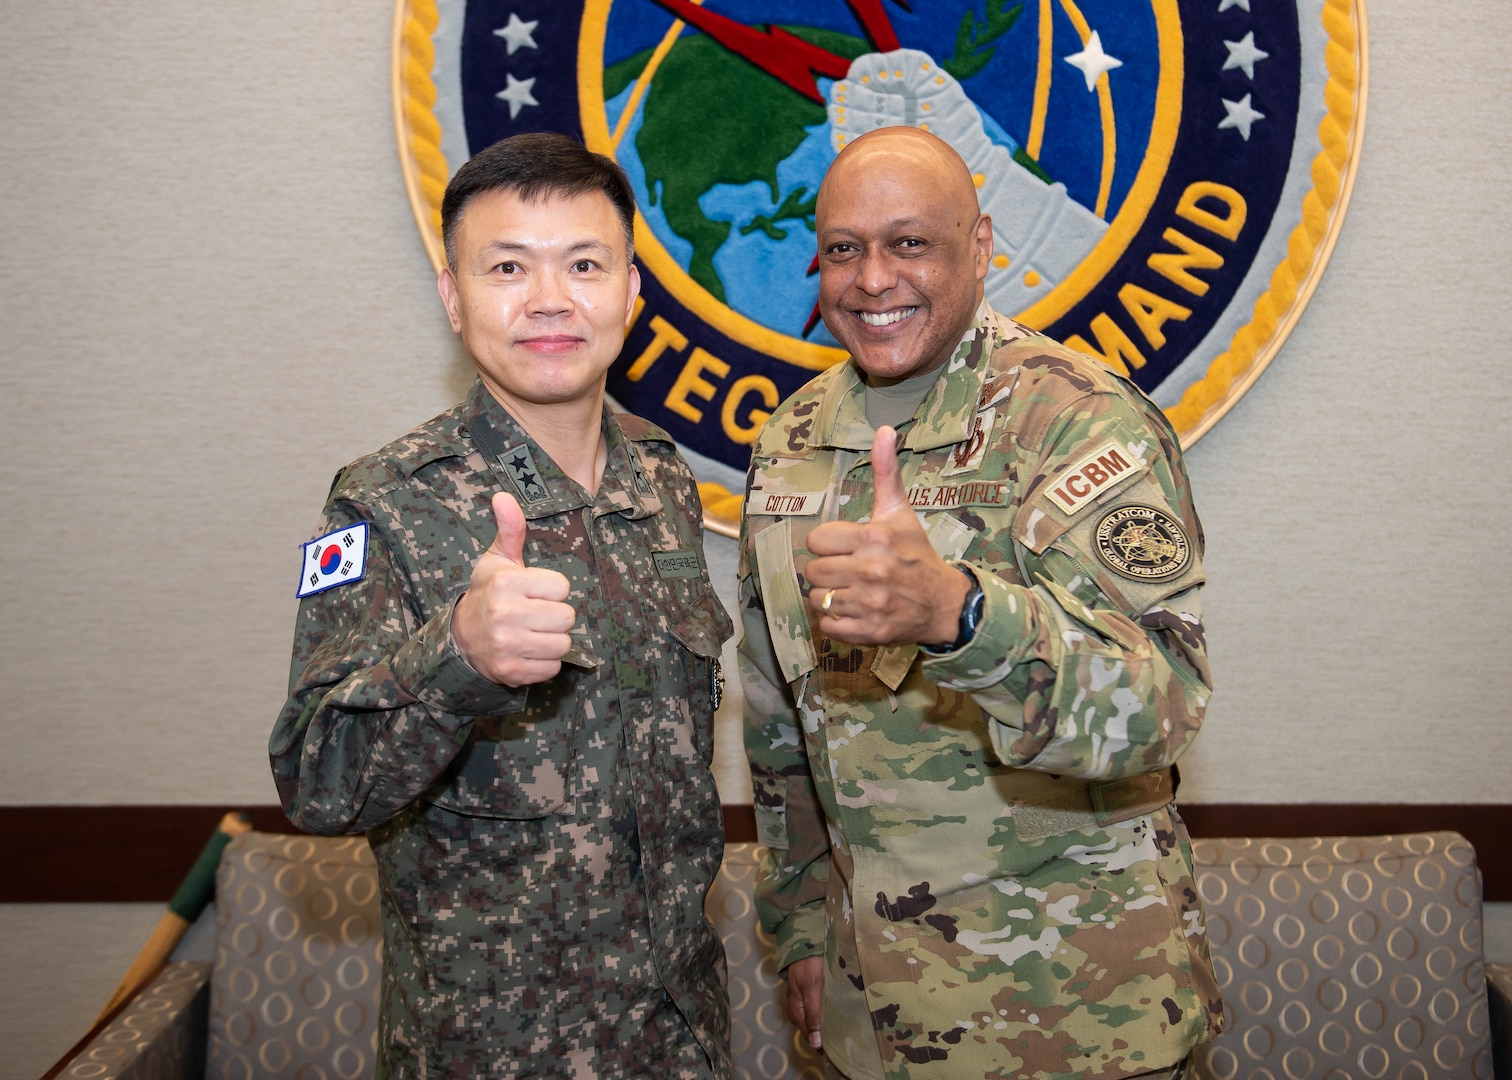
(638,467)
(337,558)
(521,468)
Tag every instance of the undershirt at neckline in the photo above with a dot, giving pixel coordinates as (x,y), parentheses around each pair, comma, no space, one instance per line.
(894,404)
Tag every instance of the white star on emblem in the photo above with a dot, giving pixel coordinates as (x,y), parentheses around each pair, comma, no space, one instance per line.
(517,93)
(1226,4)
(1092,61)
(517,33)
(1240,116)
(1243,54)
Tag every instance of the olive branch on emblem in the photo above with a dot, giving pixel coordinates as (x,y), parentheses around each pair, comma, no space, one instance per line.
(974,39)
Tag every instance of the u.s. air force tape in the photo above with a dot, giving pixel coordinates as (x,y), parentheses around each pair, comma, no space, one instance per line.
(1142,543)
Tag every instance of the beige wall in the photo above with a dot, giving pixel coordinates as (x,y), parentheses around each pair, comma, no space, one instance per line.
(214,295)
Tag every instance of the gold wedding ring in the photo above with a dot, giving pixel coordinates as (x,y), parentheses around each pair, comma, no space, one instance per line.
(829,598)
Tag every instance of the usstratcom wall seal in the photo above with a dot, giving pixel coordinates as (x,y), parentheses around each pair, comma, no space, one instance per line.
(1166,179)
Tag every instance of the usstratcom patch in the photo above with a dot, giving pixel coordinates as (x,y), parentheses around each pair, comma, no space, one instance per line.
(1146,164)
(1142,543)
(337,558)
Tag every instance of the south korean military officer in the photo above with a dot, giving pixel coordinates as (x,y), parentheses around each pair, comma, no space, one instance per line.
(506,665)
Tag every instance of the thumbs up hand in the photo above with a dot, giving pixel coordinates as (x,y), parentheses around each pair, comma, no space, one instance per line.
(884,582)
(511,625)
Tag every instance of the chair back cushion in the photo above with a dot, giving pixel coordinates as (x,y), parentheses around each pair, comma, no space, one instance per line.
(1342,957)
(298,959)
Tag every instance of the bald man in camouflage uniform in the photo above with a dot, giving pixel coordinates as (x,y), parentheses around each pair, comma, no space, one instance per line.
(505,670)
(973,650)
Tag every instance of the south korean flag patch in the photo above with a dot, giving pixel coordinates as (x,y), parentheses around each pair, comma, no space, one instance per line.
(337,558)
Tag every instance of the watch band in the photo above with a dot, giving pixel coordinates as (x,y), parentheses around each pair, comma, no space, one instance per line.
(971,615)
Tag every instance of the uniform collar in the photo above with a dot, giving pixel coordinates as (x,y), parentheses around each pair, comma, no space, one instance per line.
(539,485)
(948,410)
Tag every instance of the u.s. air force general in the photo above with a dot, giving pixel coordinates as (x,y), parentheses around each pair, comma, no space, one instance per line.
(974,649)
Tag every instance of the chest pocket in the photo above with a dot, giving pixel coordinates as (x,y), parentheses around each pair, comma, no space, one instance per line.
(700,624)
(787,619)
(524,764)
(950,537)
(699,621)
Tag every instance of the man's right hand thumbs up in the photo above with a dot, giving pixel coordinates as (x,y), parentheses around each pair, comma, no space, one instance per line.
(888,496)
(510,521)
(880,583)
(512,623)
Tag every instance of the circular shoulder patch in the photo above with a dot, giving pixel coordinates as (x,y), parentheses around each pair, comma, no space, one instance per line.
(1142,543)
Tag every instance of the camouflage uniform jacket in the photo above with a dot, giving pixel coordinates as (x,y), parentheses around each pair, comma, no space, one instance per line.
(543,852)
(982,843)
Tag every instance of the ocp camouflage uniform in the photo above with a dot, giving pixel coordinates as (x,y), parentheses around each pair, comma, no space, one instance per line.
(982,844)
(543,852)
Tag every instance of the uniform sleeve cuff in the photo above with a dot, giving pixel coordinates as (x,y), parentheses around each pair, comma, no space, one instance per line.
(801,935)
(1005,636)
(433,669)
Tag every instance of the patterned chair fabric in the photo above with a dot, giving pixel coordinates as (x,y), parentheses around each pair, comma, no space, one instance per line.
(159,1036)
(1346,958)
(298,959)
(765,1044)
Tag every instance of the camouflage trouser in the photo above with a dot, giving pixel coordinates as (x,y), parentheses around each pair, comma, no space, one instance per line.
(1175,1073)
(653,1042)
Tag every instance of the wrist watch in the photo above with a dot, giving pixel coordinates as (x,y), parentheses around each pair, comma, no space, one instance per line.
(971,615)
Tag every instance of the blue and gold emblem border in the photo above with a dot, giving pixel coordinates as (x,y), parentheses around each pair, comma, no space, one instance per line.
(1204,402)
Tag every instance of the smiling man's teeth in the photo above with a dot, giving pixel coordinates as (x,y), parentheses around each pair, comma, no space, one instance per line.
(886,318)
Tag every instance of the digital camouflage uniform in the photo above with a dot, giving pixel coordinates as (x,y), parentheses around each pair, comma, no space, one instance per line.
(543,852)
(982,844)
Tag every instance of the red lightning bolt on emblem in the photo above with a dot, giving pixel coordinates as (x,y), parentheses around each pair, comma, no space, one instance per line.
(792,60)
(875,22)
(776,52)
(814,316)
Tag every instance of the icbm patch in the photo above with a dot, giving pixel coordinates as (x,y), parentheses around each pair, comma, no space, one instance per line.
(1166,178)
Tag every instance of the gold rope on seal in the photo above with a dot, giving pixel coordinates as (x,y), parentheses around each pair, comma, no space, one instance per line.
(420,159)
(1202,405)
(1311,243)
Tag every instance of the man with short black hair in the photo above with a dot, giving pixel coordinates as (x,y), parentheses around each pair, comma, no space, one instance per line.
(970,578)
(506,664)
